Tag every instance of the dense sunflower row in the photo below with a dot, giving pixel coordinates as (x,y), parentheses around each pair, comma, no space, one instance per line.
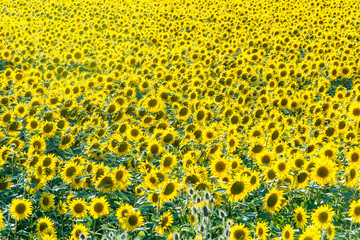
(179,119)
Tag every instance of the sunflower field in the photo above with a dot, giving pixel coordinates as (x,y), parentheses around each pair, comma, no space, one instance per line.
(169,119)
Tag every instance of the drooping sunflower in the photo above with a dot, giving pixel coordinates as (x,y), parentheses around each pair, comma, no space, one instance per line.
(239,232)
(238,188)
(20,209)
(300,217)
(78,208)
(354,211)
(272,201)
(105,183)
(99,207)
(322,216)
(66,141)
(262,230)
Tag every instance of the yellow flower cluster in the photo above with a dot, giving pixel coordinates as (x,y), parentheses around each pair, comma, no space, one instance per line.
(113,108)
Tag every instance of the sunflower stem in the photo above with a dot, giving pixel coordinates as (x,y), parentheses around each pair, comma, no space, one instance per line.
(350,229)
(94,226)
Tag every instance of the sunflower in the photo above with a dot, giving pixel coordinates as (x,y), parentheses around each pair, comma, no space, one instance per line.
(62,207)
(122,211)
(121,176)
(330,231)
(209,134)
(239,232)
(301,180)
(21,110)
(20,209)
(262,230)
(5,183)
(353,155)
(44,225)
(287,233)
(48,129)
(167,162)
(132,220)
(134,133)
(169,190)
(154,199)
(165,222)
(324,171)
(154,148)
(105,183)
(282,167)
(354,111)
(310,233)
(322,216)
(265,158)
(78,208)
(66,141)
(354,211)
(219,167)
(1,221)
(272,201)
(352,176)
(47,201)
(78,230)
(37,143)
(238,188)
(300,217)
(99,207)
(70,171)
(122,148)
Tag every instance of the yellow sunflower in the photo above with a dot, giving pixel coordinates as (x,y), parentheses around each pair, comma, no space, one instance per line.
(99,207)
(238,188)
(288,233)
(47,201)
(78,208)
(272,201)
(324,171)
(322,216)
(354,211)
(262,230)
(132,220)
(20,209)
(44,225)
(78,230)
(239,232)
(300,217)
